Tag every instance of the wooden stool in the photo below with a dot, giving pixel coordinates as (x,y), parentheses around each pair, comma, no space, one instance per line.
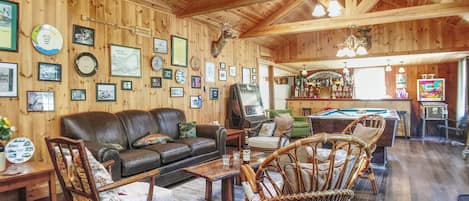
(305,111)
(402,115)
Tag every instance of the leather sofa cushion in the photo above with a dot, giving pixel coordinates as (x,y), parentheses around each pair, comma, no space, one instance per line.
(137,123)
(138,160)
(199,145)
(170,152)
(168,120)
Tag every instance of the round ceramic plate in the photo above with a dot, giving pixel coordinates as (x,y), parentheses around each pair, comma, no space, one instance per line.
(19,150)
(157,63)
(47,39)
(195,63)
(180,76)
(86,64)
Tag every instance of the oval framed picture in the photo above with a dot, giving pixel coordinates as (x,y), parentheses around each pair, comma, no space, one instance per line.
(19,150)
(47,39)
(86,64)
(195,63)
(180,76)
(157,63)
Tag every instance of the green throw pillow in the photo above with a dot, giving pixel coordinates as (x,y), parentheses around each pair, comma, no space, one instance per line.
(152,139)
(187,130)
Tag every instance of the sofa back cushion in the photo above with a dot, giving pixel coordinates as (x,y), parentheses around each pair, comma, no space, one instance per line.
(168,119)
(99,127)
(137,123)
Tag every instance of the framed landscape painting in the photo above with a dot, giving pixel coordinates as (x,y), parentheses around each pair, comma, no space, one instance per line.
(125,61)
(8,26)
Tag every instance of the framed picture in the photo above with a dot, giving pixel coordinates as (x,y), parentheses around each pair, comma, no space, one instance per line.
(222,65)
(232,71)
(222,75)
(160,45)
(125,61)
(196,81)
(176,92)
(8,79)
(246,75)
(214,93)
(167,73)
(9,26)
(254,71)
(179,51)
(40,101)
(83,35)
(49,72)
(196,102)
(78,94)
(209,72)
(126,85)
(105,92)
(155,82)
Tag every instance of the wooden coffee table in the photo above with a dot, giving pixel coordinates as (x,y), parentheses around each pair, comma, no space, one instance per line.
(235,134)
(214,170)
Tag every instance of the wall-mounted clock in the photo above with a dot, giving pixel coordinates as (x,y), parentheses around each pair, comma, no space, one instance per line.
(195,63)
(157,63)
(86,64)
(180,76)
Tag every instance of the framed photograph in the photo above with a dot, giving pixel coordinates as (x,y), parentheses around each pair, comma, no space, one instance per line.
(176,92)
(196,102)
(83,35)
(160,46)
(40,101)
(254,71)
(246,75)
(105,92)
(222,65)
(167,73)
(232,71)
(126,85)
(222,75)
(214,93)
(9,26)
(78,94)
(125,61)
(196,81)
(49,72)
(179,51)
(209,72)
(155,82)
(8,79)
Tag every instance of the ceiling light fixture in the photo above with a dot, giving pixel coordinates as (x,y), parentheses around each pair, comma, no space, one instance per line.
(334,8)
(353,45)
(319,10)
(304,72)
(388,67)
(402,69)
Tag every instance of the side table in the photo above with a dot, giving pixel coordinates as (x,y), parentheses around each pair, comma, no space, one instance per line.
(32,173)
(232,134)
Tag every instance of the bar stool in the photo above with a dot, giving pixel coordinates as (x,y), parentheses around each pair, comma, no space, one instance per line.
(402,115)
(305,111)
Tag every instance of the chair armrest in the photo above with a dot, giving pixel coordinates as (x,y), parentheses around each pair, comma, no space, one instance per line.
(108,165)
(248,175)
(218,133)
(104,153)
(300,118)
(129,180)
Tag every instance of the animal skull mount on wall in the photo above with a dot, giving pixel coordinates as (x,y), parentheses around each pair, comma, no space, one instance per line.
(226,33)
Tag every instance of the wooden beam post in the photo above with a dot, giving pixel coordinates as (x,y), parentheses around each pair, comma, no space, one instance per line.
(271,87)
(201,7)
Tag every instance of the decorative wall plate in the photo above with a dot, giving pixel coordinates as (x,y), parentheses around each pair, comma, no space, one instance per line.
(195,63)
(157,63)
(86,64)
(19,150)
(180,76)
(47,39)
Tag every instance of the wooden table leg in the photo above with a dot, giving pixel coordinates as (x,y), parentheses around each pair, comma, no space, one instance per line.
(227,189)
(52,187)
(239,142)
(208,190)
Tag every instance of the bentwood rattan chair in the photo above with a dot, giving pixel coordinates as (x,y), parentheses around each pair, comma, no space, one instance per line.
(370,121)
(326,174)
(72,165)
(267,144)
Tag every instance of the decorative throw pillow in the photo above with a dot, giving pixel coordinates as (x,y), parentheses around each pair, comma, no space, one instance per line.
(187,129)
(365,133)
(284,122)
(151,139)
(267,129)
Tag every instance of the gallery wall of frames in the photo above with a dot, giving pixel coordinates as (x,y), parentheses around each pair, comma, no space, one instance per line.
(135,57)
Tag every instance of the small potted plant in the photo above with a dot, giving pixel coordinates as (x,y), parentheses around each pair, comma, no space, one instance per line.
(5,132)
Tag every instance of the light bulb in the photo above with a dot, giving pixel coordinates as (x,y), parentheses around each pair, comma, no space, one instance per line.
(361,50)
(334,8)
(304,72)
(319,10)
(401,70)
(340,52)
(388,68)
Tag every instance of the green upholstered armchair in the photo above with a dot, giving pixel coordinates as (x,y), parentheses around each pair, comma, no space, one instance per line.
(301,127)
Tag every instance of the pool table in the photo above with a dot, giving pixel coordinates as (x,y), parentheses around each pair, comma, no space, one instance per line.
(335,120)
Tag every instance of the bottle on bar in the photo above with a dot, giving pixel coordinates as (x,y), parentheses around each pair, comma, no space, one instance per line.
(246,150)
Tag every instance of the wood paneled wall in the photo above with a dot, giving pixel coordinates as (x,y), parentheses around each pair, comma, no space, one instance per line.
(422,36)
(63,14)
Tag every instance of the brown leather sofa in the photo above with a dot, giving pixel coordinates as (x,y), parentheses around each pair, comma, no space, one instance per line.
(103,132)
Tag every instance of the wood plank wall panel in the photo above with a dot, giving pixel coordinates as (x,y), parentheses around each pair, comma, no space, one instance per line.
(422,36)
(63,14)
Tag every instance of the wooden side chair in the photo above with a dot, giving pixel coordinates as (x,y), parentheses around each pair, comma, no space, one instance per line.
(327,174)
(83,178)
(369,128)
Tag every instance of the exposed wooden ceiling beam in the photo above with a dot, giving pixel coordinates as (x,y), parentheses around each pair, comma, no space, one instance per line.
(380,17)
(277,15)
(365,6)
(350,7)
(463,16)
(201,7)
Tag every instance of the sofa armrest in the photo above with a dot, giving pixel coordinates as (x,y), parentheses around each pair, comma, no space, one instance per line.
(104,153)
(218,133)
(300,118)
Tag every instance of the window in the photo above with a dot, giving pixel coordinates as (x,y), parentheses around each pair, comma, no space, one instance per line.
(369,83)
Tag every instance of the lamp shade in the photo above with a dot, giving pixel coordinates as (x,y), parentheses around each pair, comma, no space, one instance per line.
(361,50)
(319,10)
(334,8)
